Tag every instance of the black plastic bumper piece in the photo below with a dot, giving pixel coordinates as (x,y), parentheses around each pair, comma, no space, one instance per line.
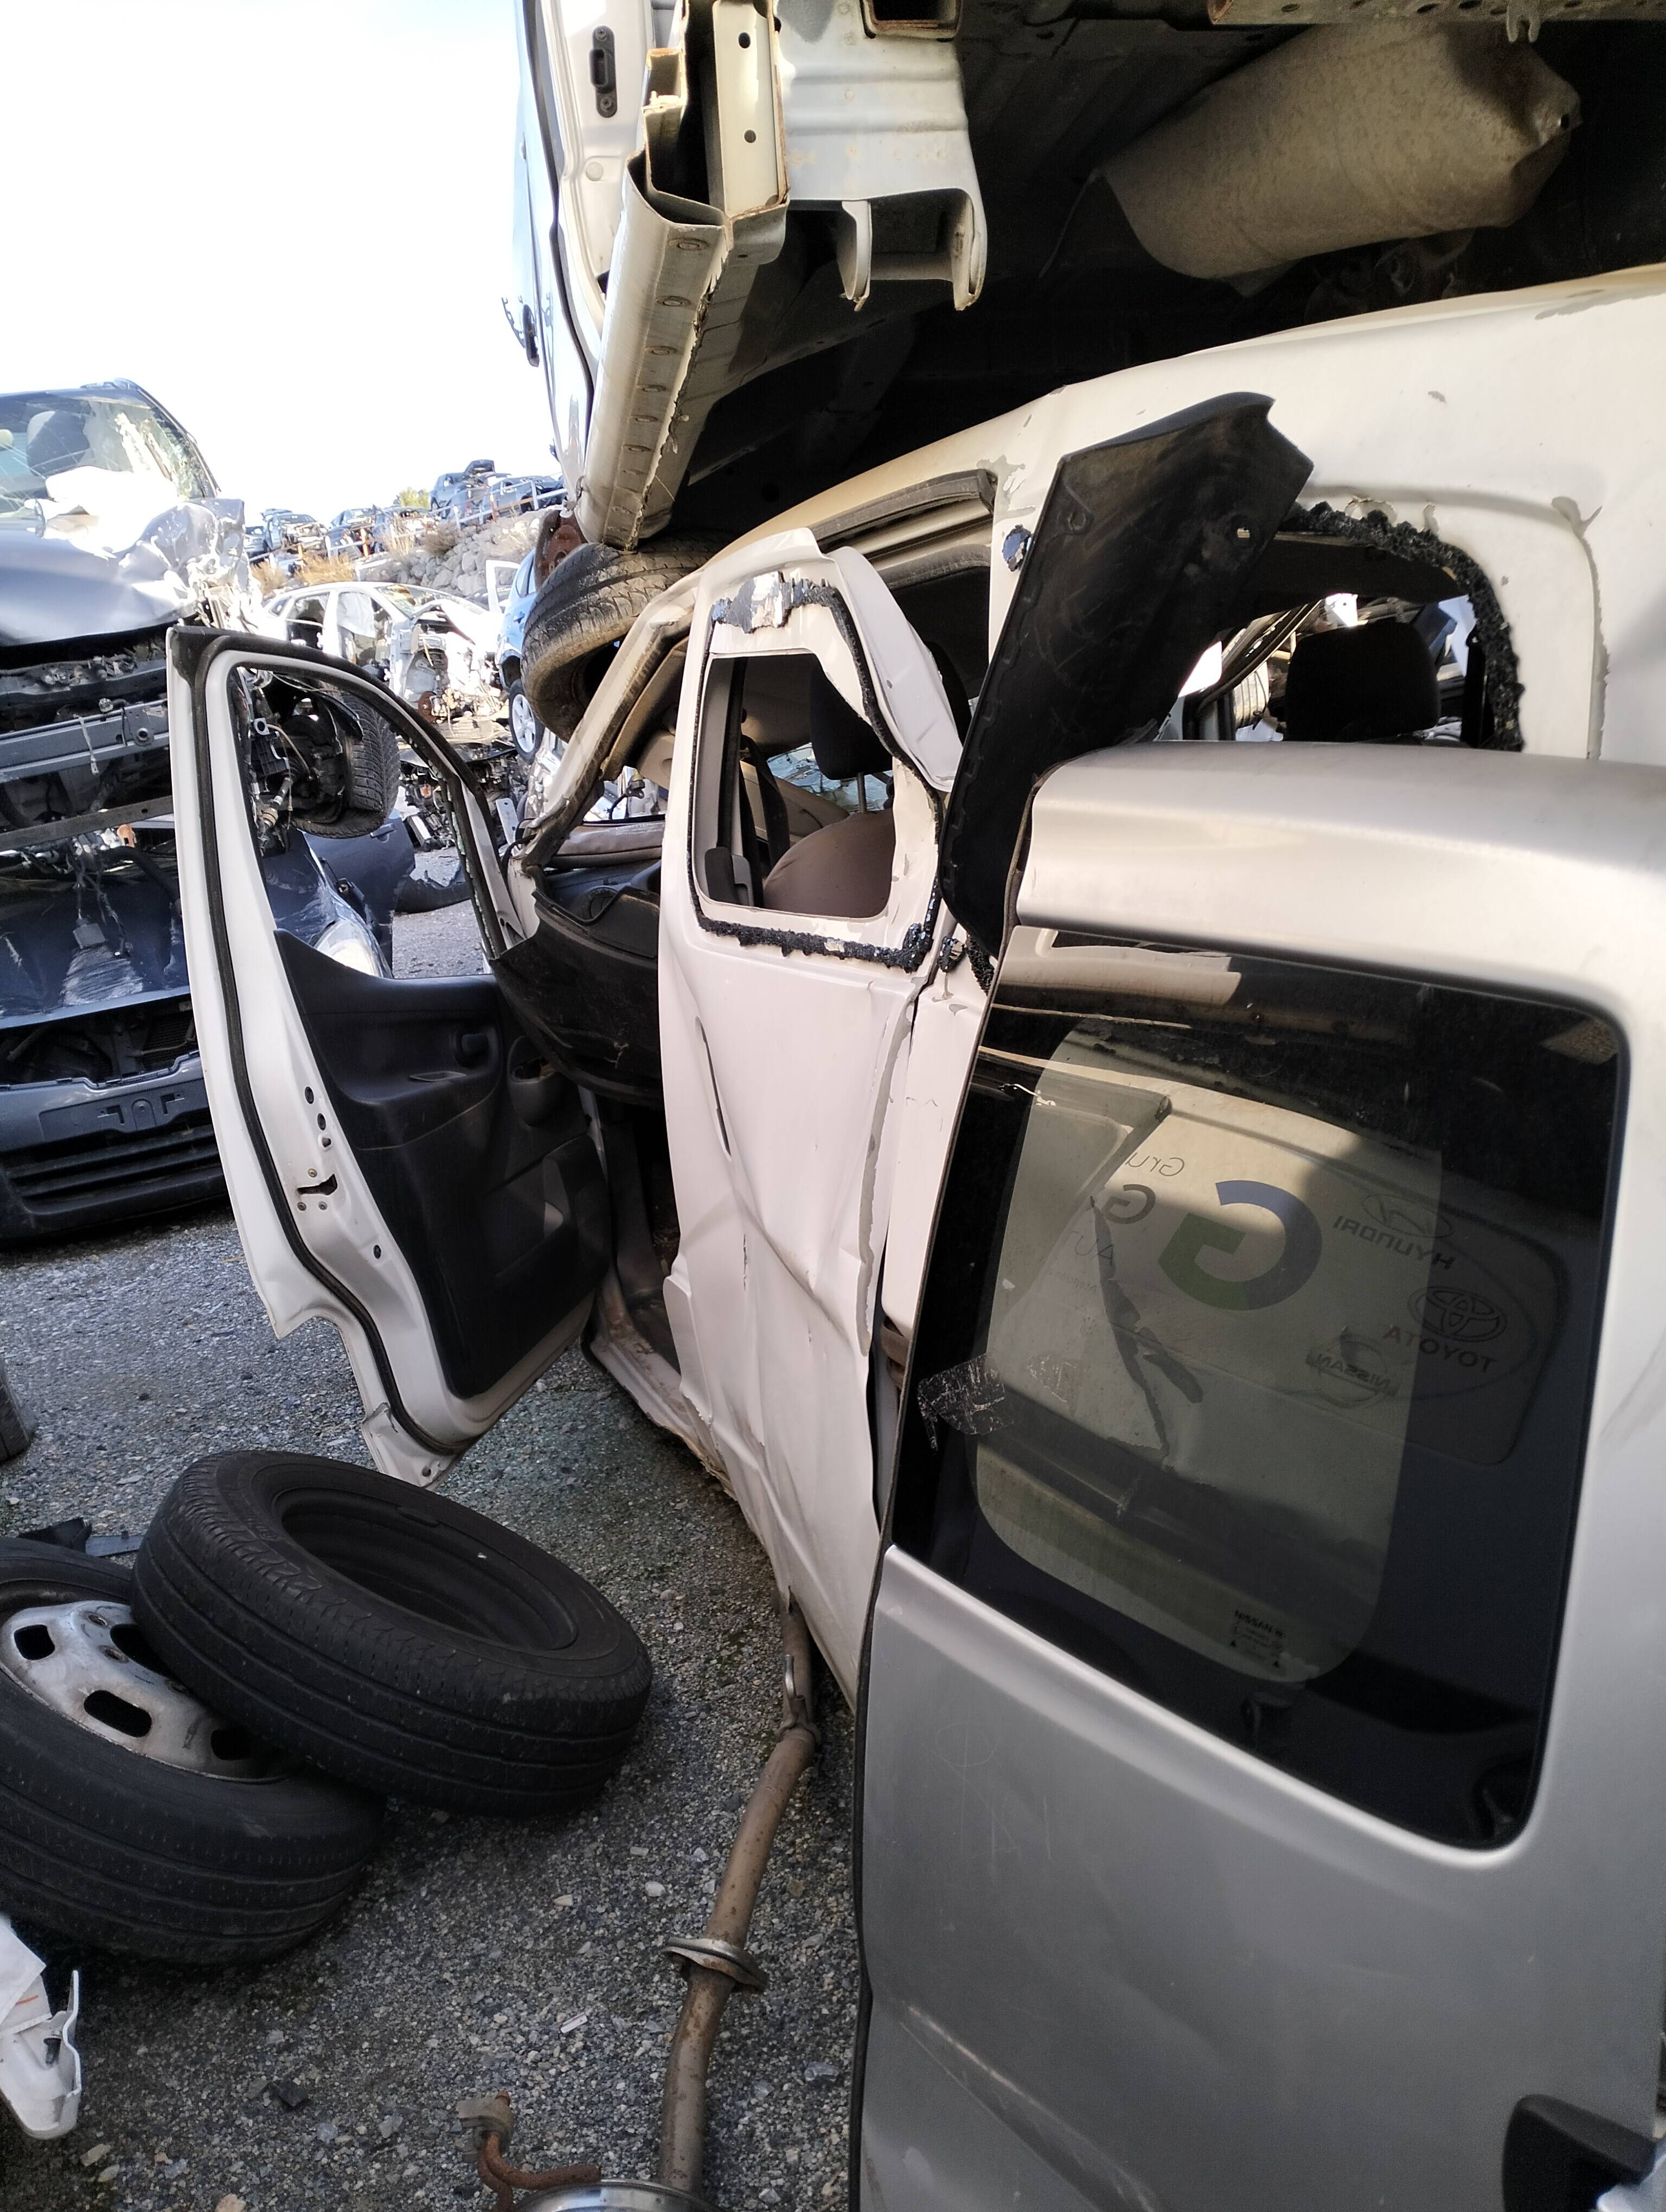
(76,1155)
(1557,2158)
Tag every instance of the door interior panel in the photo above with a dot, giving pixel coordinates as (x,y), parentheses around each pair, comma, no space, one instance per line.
(590,992)
(475,1150)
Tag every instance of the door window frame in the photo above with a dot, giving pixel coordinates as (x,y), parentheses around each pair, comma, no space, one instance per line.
(746,610)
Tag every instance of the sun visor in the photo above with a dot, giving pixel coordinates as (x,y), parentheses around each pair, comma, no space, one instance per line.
(918,706)
(1140,560)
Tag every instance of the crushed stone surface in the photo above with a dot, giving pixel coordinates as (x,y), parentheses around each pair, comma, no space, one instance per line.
(444,942)
(477,1954)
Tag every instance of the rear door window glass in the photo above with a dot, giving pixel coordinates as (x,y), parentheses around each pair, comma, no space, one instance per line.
(1263,1386)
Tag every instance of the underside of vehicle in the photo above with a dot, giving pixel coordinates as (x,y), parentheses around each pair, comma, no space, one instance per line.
(1129,180)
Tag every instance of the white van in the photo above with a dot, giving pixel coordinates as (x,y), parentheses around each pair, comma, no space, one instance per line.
(1156,1230)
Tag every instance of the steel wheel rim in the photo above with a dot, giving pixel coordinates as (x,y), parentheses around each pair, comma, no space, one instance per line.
(86,1659)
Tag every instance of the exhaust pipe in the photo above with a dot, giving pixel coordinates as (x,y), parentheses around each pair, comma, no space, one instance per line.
(716,1960)
(716,1964)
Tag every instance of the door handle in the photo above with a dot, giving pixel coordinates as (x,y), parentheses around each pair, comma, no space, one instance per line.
(1557,2158)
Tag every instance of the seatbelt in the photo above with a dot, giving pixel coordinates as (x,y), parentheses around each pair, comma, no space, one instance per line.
(755,858)
(777,837)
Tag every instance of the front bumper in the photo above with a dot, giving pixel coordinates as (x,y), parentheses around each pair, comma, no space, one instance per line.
(76,1155)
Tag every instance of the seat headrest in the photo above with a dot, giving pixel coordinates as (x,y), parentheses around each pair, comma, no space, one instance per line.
(1360,685)
(842,741)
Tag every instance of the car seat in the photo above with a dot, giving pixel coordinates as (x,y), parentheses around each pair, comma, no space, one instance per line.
(844,869)
(1375,684)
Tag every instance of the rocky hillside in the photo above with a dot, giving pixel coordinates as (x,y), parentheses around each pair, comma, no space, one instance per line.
(445,558)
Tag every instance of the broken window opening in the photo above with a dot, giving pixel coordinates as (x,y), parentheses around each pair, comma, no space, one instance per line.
(1312,660)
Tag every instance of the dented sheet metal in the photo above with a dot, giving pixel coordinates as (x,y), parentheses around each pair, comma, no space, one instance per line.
(903,699)
(790,1059)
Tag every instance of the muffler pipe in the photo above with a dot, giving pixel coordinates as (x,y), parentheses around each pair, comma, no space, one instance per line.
(717,1964)
(717,1961)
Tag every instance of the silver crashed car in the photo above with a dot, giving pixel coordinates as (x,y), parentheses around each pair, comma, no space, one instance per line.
(1108,1093)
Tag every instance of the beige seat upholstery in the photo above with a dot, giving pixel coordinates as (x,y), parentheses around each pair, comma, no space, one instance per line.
(844,869)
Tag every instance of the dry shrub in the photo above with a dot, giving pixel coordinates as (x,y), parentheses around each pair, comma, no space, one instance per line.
(314,568)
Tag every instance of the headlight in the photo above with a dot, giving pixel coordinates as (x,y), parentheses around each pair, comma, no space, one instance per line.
(350,942)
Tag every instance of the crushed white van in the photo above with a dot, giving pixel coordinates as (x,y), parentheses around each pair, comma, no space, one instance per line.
(1079,1016)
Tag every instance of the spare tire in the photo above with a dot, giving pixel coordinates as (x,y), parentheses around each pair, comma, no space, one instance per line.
(579,617)
(198,1846)
(390,1635)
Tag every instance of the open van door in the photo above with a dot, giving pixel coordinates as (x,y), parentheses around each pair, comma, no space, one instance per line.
(1262,1774)
(401,1160)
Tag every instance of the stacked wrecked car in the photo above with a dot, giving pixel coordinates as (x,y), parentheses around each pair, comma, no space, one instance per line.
(113,531)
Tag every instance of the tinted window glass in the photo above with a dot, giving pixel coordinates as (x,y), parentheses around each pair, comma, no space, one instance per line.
(1254,1358)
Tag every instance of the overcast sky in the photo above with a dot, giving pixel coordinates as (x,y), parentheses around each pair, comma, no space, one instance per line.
(289,219)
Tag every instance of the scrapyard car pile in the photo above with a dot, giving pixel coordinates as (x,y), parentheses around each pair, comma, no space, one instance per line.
(434,650)
(111,529)
(1099,1076)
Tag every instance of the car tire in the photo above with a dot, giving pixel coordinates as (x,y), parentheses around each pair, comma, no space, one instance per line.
(391,1635)
(101,1843)
(576,621)
(525,730)
(373,774)
(16,1427)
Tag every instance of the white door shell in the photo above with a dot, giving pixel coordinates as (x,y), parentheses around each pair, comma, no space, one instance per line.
(784,1040)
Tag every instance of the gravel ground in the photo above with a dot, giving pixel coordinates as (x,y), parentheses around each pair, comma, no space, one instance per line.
(444,943)
(477,1954)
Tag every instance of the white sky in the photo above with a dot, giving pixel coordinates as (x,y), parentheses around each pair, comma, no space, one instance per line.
(289,219)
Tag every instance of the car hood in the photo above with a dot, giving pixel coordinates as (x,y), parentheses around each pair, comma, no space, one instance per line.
(188,560)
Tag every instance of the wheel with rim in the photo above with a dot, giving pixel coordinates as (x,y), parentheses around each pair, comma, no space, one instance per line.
(131,1814)
(390,1635)
(525,728)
